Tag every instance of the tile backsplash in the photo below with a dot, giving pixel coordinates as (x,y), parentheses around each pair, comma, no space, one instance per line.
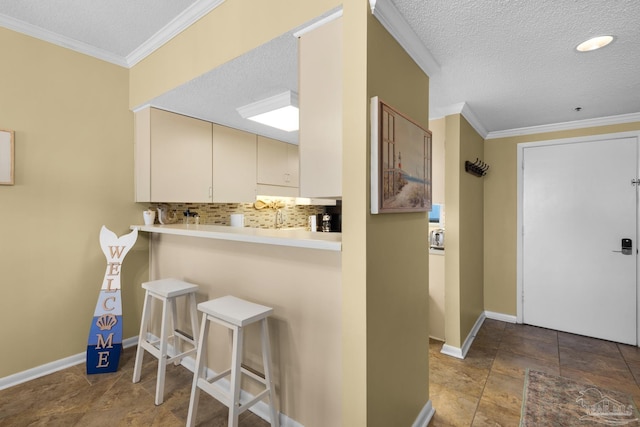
(294,216)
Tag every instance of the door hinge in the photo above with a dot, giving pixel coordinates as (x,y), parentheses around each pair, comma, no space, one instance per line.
(635,181)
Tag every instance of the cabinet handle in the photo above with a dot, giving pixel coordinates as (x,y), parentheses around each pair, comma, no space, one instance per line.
(211,192)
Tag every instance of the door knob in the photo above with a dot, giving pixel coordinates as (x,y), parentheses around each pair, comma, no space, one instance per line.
(626,247)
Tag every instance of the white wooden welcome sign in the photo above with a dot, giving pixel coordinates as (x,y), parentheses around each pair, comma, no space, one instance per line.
(105,337)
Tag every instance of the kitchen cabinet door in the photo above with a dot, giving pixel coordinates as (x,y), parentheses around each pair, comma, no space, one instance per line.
(320,101)
(293,165)
(234,165)
(181,158)
(277,163)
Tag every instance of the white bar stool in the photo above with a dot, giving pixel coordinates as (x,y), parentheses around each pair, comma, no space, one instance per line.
(166,291)
(233,313)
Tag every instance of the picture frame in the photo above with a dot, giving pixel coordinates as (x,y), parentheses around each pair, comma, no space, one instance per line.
(400,162)
(7,155)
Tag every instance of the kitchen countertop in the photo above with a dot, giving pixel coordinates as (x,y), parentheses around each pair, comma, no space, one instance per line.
(283,237)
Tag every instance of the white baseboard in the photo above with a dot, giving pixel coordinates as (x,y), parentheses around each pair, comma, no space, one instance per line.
(500,316)
(261,409)
(461,353)
(425,415)
(452,351)
(55,366)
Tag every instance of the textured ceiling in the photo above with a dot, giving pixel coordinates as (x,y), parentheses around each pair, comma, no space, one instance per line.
(117,26)
(512,62)
(264,72)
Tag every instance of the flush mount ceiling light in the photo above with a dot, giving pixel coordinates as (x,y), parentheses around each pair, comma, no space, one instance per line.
(594,43)
(279,111)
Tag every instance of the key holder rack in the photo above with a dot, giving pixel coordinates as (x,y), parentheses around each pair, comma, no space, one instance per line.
(477,168)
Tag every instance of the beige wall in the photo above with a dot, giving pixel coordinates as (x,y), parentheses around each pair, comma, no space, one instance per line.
(452,228)
(436,261)
(437,128)
(500,211)
(464,231)
(397,258)
(355,213)
(471,231)
(302,285)
(74,173)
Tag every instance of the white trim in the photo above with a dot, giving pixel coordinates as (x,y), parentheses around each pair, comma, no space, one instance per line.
(177,25)
(508,318)
(461,353)
(189,16)
(51,367)
(261,408)
(63,41)
(318,23)
(452,351)
(284,99)
(374,155)
(519,221)
(577,124)
(399,28)
(425,415)
(465,110)
(438,113)
(142,107)
(473,120)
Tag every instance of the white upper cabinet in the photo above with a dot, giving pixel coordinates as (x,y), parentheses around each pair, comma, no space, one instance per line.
(277,163)
(320,102)
(182,159)
(277,168)
(173,157)
(234,165)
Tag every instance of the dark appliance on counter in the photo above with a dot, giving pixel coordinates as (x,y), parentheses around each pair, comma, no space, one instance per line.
(329,222)
(436,239)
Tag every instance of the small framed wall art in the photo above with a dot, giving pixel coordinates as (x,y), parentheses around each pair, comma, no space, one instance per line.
(6,157)
(400,162)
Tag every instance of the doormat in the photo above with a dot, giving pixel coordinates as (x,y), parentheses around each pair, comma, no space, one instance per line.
(549,400)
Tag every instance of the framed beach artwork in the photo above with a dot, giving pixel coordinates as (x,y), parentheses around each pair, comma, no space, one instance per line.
(400,162)
(6,157)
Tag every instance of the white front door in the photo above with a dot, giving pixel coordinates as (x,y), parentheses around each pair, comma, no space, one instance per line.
(578,203)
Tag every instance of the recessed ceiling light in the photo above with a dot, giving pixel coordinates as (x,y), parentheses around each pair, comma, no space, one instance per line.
(594,43)
(279,111)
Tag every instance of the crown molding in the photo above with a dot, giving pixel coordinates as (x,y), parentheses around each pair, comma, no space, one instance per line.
(280,100)
(66,42)
(319,23)
(438,113)
(189,16)
(399,28)
(463,109)
(556,127)
(473,120)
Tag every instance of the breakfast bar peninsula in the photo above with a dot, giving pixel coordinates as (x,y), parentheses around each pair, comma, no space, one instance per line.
(296,272)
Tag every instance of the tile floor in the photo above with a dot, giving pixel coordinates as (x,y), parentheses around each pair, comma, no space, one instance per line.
(72,398)
(483,389)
